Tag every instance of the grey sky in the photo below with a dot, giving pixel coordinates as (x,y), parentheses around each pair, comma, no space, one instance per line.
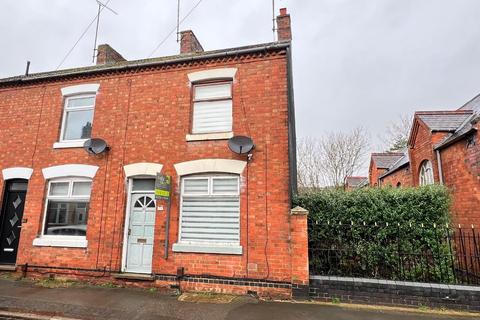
(356,62)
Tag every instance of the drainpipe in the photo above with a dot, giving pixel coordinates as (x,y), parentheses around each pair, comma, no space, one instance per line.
(440,171)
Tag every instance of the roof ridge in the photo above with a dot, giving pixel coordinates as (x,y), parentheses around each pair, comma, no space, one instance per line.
(387,153)
(393,165)
(179,58)
(466,103)
(443,112)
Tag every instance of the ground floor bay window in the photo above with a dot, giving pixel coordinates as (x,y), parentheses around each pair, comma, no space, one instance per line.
(209,214)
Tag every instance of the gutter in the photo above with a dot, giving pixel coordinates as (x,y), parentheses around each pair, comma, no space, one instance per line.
(128,66)
(292,139)
(459,137)
(439,162)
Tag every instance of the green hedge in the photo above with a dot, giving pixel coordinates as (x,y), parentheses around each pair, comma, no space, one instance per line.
(397,234)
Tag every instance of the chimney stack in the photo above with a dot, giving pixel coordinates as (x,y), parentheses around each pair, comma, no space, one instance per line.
(284,30)
(108,55)
(189,43)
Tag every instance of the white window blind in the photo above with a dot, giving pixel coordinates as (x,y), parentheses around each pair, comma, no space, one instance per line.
(212,108)
(210,210)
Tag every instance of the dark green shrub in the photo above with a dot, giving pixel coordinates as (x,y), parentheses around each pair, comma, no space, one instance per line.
(398,234)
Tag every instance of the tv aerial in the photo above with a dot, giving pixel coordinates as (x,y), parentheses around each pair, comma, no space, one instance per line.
(96,146)
(101,6)
(241,145)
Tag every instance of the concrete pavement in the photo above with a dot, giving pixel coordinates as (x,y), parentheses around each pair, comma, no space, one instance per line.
(87,302)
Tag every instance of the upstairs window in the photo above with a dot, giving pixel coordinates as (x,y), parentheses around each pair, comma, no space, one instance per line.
(426,173)
(67,207)
(212,108)
(78,117)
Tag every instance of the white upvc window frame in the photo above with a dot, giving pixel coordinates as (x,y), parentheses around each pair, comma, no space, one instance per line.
(67,109)
(208,247)
(132,181)
(214,134)
(210,178)
(63,240)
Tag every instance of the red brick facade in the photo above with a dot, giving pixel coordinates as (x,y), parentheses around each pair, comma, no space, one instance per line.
(461,174)
(144,113)
(374,173)
(400,178)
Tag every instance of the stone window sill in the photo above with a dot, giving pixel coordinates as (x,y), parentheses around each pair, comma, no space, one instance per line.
(61,241)
(69,144)
(206,248)
(209,136)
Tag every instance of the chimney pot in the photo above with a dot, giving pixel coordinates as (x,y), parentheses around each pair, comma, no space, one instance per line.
(108,55)
(189,42)
(284,29)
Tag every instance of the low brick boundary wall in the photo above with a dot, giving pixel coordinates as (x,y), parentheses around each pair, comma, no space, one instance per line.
(394,293)
(240,286)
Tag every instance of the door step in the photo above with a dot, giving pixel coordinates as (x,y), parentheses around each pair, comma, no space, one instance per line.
(8,267)
(133,276)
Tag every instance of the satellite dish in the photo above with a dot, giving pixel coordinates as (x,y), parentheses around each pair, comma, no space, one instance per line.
(241,144)
(95,146)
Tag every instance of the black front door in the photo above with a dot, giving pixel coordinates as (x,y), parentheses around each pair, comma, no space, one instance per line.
(11,219)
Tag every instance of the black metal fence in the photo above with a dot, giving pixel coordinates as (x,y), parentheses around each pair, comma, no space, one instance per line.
(395,252)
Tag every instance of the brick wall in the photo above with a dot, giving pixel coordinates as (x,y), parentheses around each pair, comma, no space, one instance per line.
(460,164)
(374,173)
(395,293)
(401,177)
(144,116)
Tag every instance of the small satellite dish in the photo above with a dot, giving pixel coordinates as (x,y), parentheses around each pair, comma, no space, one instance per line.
(241,144)
(95,146)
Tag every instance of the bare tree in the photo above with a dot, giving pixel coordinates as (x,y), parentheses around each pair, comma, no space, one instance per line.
(309,168)
(397,133)
(327,161)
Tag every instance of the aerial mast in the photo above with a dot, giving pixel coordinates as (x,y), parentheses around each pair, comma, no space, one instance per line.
(101,6)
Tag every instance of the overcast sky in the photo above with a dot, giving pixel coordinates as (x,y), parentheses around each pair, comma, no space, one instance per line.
(356,62)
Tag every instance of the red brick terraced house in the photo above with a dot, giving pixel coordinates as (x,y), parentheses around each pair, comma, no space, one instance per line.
(95,217)
(443,148)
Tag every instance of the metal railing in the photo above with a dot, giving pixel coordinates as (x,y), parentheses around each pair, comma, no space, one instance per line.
(440,254)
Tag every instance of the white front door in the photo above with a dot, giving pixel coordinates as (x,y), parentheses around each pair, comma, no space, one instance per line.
(140,233)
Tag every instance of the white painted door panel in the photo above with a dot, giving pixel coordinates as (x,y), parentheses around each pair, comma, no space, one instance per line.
(140,236)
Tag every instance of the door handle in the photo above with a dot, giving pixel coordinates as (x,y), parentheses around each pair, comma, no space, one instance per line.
(129,231)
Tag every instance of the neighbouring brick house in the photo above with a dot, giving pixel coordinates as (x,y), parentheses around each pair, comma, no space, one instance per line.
(231,227)
(398,174)
(355,182)
(442,148)
(379,164)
